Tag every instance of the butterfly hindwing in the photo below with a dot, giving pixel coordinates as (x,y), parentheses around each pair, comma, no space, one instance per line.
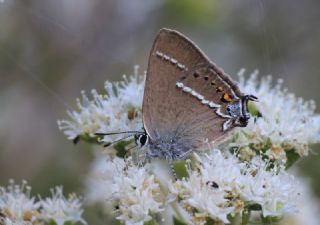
(181,82)
(215,91)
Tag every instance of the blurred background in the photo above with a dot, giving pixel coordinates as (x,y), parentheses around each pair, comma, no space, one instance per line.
(50,50)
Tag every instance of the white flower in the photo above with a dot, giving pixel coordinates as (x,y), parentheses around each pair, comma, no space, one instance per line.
(207,200)
(134,191)
(7,221)
(207,187)
(221,185)
(118,110)
(131,89)
(61,209)
(102,174)
(17,205)
(287,121)
(273,189)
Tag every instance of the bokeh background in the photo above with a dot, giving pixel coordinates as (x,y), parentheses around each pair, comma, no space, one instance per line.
(50,50)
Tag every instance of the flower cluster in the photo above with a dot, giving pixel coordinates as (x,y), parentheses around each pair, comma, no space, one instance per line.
(242,179)
(136,193)
(221,186)
(279,129)
(118,110)
(133,192)
(17,207)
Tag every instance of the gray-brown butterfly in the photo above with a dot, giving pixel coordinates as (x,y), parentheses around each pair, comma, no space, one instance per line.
(188,100)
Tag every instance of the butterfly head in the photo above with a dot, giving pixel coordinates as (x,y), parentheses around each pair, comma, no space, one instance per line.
(141,139)
(238,110)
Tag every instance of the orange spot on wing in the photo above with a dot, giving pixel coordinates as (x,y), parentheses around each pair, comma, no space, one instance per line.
(227,97)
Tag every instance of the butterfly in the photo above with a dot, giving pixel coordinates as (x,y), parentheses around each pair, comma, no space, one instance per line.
(188,101)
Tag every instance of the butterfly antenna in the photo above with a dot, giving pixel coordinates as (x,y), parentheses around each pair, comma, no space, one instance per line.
(116,141)
(124,132)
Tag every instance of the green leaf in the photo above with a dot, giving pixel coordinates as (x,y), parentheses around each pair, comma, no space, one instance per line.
(292,157)
(254,207)
(271,219)
(178,222)
(210,221)
(253,110)
(87,138)
(151,222)
(121,148)
(180,168)
(246,214)
(233,218)
(52,222)
(234,150)
(68,223)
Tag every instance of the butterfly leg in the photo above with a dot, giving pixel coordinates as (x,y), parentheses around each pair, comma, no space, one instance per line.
(126,156)
(173,171)
(185,154)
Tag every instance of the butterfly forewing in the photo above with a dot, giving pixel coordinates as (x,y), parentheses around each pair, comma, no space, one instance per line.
(170,59)
(180,85)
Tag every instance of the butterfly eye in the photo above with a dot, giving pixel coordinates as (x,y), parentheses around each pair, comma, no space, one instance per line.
(229,111)
(206,78)
(196,75)
(143,140)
